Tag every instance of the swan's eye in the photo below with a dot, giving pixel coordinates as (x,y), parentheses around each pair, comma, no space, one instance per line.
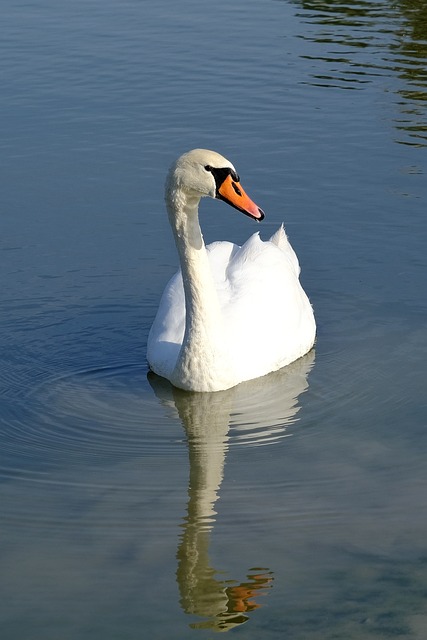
(208,167)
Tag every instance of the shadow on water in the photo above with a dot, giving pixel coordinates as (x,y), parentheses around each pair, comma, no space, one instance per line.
(265,407)
(350,32)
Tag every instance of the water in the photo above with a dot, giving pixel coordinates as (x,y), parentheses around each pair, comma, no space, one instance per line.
(293,506)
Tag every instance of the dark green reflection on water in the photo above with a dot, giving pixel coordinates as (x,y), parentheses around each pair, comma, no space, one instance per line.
(411,56)
(371,42)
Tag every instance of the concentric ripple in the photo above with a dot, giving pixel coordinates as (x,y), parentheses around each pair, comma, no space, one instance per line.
(112,413)
(108,411)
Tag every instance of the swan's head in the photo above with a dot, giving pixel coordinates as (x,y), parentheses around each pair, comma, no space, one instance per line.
(206,173)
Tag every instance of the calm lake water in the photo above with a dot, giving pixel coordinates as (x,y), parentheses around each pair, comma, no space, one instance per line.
(293,506)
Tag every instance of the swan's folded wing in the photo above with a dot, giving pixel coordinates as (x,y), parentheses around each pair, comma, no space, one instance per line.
(167,331)
(280,239)
(268,313)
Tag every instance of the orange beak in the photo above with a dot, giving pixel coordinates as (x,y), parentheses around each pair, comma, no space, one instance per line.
(231,192)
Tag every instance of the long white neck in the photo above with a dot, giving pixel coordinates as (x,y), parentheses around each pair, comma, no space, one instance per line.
(202,363)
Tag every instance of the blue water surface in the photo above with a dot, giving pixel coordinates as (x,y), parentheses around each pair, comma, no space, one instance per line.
(292,506)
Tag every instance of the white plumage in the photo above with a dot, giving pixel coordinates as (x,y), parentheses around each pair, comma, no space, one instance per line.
(231,313)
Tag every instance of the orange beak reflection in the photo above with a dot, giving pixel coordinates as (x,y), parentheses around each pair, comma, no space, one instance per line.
(231,192)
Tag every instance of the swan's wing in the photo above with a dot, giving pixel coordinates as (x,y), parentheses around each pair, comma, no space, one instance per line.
(267,315)
(167,330)
(280,239)
(221,253)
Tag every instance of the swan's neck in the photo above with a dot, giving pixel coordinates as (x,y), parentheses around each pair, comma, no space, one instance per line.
(203,358)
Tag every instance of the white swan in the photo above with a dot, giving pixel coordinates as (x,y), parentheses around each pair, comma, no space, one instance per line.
(231,313)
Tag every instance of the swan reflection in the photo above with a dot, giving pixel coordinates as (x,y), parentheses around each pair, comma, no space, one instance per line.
(254,413)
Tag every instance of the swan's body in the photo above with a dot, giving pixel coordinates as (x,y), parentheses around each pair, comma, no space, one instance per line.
(231,313)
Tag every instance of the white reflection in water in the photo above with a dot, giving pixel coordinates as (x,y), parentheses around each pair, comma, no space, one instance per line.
(266,407)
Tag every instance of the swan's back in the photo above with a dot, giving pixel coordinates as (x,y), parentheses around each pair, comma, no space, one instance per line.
(267,318)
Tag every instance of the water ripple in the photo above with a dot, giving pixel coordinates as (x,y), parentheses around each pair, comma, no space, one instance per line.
(111,414)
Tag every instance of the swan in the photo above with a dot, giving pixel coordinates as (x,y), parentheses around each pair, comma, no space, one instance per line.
(231,313)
